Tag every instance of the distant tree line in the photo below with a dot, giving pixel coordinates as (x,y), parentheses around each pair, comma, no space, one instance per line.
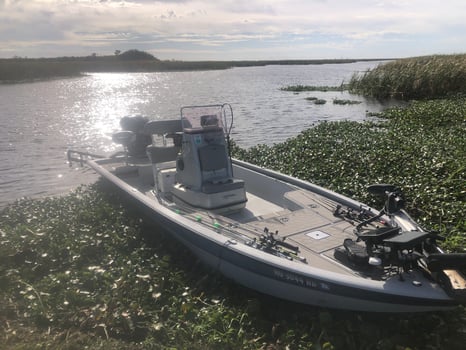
(27,69)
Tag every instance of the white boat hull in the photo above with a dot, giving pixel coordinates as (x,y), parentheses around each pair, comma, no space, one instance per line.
(281,277)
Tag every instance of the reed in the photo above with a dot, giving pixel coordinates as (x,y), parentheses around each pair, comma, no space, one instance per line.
(414,78)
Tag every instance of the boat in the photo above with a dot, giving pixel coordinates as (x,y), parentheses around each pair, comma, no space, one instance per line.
(273,233)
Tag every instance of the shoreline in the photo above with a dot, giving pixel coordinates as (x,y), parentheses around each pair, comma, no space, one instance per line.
(25,70)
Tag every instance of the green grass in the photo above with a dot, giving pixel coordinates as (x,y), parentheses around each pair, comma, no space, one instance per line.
(84,270)
(414,78)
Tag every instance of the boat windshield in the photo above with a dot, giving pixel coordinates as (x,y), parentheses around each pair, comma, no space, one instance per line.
(198,118)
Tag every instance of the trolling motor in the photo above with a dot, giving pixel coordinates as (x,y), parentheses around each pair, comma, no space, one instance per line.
(394,202)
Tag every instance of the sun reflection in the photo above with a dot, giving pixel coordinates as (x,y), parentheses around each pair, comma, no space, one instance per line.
(109,97)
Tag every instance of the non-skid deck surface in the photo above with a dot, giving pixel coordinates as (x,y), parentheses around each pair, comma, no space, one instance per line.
(313,227)
(256,209)
(324,238)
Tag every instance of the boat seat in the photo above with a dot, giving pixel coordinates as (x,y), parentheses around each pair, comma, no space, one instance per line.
(168,129)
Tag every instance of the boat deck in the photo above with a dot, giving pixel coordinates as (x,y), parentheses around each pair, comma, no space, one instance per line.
(303,219)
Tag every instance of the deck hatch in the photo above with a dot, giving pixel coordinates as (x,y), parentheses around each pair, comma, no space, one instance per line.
(317,235)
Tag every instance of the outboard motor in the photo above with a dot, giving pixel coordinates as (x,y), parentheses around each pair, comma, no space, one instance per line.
(135,124)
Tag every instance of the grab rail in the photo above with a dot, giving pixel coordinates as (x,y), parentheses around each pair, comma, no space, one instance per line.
(82,156)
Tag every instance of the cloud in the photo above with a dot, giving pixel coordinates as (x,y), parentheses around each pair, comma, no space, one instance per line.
(315,28)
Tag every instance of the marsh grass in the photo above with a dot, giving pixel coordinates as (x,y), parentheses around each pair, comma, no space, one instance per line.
(85,270)
(414,78)
(13,71)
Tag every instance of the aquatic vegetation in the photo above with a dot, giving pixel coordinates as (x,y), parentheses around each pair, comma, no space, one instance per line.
(414,78)
(85,262)
(84,270)
(336,101)
(316,100)
(301,88)
(345,102)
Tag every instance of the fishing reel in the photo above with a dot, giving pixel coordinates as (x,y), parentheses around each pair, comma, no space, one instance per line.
(268,241)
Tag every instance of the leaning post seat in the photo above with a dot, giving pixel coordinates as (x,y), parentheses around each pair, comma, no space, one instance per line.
(160,152)
(161,127)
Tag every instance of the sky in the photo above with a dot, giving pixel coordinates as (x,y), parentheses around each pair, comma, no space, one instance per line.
(193,30)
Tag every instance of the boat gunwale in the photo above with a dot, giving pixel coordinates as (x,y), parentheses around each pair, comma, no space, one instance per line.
(356,283)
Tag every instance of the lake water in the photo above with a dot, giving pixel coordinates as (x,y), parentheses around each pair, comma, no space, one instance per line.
(40,121)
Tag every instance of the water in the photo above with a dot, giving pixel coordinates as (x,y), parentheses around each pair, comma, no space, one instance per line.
(40,121)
